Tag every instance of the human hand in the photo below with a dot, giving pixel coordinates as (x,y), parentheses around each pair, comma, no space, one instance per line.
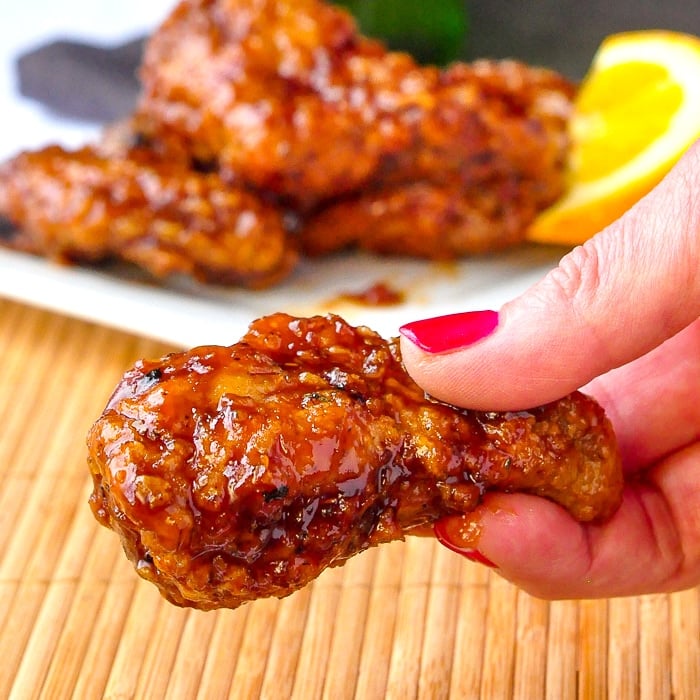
(618,317)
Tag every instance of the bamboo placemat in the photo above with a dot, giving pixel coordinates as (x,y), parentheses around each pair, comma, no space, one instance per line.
(408,620)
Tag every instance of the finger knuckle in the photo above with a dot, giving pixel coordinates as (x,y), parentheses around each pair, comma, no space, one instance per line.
(577,278)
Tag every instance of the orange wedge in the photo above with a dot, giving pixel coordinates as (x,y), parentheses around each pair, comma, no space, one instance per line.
(637,111)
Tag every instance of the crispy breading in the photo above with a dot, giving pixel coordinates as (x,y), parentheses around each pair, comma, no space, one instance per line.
(83,206)
(234,473)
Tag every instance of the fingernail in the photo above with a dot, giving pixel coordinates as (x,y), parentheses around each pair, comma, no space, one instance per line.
(451,332)
(450,535)
(474,555)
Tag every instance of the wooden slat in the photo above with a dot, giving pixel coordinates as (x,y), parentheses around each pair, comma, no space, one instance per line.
(348,632)
(593,649)
(411,611)
(285,646)
(317,636)
(562,646)
(623,653)
(224,646)
(685,643)
(107,629)
(654,648)
(83,591)
(191,656)
(470,634)
(378,636)
(254,650)
(499,643)
(529,674)
(160,652)
(438,653)
(409,620)
(129,656)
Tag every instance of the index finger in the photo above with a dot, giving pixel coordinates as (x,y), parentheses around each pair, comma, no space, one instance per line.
(608,302)
(650,545)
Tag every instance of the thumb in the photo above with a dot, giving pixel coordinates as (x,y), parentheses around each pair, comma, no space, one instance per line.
(608,302)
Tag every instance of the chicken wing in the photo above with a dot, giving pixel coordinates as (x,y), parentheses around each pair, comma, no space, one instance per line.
(86,206)
(288,95)
(424,220)
(489,158)
(234,473)
(271,125)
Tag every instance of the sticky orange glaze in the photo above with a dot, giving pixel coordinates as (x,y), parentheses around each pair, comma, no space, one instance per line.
(233,473)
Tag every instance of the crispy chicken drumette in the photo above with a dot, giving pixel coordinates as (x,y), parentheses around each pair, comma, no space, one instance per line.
(233,473)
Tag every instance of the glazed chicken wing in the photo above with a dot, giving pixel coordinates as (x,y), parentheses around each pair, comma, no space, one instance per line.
(488,159)
(234,473)
(273,125)
(85,206)
(288,96)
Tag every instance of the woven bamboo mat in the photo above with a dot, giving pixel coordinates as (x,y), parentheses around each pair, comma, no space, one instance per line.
(409,620)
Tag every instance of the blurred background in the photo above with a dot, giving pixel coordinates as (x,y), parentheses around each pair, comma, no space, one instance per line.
(559,34)
(64,74)
(564,34)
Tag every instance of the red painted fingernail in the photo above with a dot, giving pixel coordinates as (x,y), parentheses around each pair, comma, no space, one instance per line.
(454,539)
(451,332)
(476,556)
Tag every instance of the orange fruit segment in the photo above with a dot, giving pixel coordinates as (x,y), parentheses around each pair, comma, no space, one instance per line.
(637,111)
